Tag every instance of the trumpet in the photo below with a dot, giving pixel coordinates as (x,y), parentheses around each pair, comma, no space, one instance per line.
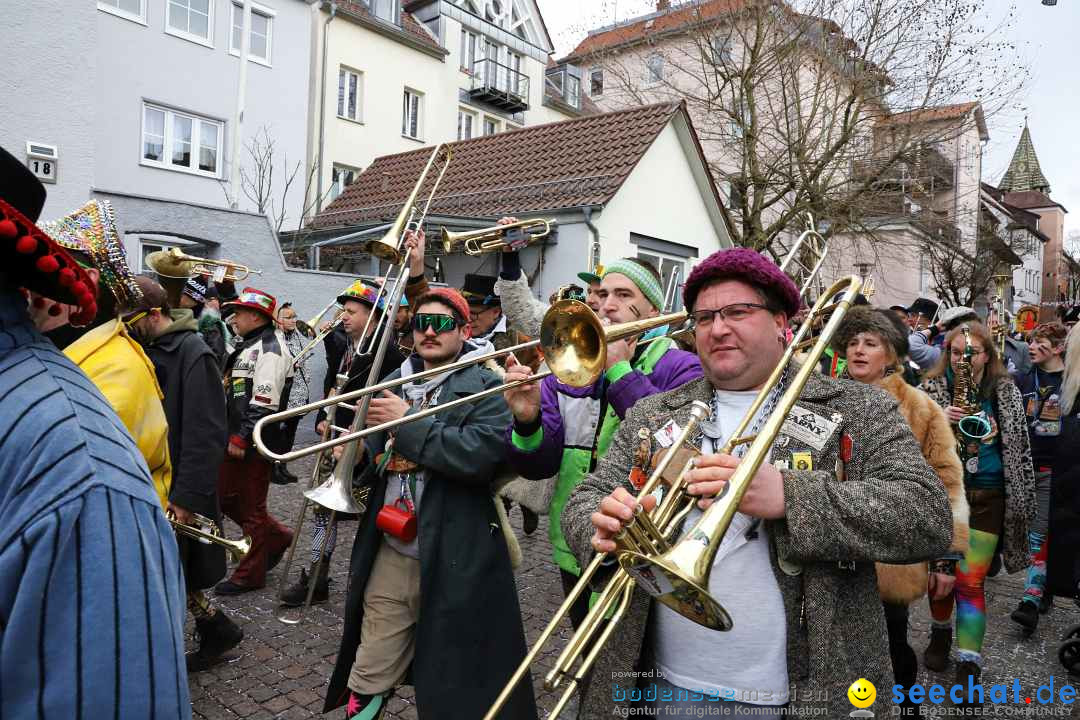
(176,264)
(573,339)
(493,239)
(209,532)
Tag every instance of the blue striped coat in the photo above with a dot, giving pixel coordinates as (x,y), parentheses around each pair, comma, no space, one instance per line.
(91,593)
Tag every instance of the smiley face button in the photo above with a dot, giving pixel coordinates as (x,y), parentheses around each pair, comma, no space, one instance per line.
(862,693)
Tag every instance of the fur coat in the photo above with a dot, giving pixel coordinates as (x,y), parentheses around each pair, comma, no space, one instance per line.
(907,583)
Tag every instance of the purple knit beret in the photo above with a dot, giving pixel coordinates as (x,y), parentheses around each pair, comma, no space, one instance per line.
(747,265)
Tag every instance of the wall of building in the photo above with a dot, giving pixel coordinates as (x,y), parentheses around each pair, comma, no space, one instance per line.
(894,265)
(138,63)
(244,237)
(1055,273)
(50,62)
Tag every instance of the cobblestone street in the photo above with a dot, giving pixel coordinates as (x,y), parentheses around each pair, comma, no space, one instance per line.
(280,671)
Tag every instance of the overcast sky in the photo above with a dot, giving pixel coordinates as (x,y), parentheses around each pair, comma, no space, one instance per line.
(1047,37)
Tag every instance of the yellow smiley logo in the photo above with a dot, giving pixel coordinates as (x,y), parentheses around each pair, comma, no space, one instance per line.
(862,693)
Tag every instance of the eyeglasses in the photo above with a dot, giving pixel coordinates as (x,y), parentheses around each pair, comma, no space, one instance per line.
(957,354)
(134,317)
(438,322)
(734,313)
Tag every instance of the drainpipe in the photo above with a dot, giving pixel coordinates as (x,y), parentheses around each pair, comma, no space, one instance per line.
(594,254)
(322,111)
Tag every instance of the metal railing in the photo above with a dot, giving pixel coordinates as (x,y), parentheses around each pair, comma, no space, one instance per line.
(498,81)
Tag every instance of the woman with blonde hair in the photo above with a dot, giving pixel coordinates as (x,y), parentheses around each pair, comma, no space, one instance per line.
(873,343)
(999,481)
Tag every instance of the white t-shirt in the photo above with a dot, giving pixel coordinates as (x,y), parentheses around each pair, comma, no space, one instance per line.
(750,660)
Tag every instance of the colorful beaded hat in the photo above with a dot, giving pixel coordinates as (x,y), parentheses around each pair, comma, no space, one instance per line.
(92,230)
(255,300)
(362,292)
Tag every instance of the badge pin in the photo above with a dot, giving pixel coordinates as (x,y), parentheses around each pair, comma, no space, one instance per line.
(783,441)
(802,461)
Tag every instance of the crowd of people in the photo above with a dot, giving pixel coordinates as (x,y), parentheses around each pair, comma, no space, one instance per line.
(921,458)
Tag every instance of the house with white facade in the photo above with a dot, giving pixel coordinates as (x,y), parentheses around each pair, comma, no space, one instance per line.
(627,183)
(391,77)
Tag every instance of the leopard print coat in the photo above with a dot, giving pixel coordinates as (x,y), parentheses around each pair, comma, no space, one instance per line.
(1019,470)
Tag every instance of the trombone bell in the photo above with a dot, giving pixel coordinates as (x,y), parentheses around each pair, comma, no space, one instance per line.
(335,494)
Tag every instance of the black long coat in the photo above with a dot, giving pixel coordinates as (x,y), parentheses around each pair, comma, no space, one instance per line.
(1063,555)
(190,379)
(469,638)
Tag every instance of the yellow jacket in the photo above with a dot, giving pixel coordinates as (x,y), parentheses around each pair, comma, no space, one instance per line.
(124,374)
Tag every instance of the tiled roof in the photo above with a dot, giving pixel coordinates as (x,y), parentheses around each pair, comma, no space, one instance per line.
(572,163)
(930,114)
(409,24)
(1026,199)
(662,22)
(1024,172)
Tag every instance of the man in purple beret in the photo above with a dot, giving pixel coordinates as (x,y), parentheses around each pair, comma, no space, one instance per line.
(845,486)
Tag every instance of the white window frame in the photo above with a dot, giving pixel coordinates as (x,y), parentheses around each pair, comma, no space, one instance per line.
(469,43)
(683,262)
(336,187)
(196,140)
(652,77)
(269,14)
(473,125)
(495,126)
(112,10)
(407,114)
(197,39)
(348,71)
(593,72)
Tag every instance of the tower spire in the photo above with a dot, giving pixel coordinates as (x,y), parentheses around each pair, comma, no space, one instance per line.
(1024,172)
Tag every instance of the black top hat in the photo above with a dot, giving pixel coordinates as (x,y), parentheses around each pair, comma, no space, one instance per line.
(480,290)
(923,306)
(31,259)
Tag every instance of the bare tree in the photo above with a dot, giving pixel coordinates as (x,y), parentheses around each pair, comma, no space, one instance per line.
(816,105)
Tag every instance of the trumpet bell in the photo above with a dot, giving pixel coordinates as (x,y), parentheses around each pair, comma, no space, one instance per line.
(679,589)
(335,494)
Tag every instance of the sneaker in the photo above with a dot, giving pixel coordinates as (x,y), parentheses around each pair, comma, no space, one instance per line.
(217,635)
(936,656)
(1026,615)
(967,675)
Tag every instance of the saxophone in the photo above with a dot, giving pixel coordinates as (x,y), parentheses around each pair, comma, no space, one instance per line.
(975,425)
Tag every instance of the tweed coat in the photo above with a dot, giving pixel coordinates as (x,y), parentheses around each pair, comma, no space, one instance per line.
(822,553)
(907,583)
(1019,469)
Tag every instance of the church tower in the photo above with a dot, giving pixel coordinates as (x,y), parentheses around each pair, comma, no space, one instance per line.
(1024,172)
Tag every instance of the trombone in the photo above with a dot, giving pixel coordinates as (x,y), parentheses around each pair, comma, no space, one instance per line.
(572,337)
(209,532)
(493,239)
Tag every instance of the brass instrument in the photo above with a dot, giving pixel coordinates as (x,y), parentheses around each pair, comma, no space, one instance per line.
(493,239)
(319,336)
(573,339)
(209,532)
(391,246)
(310,328)
(974,426)
(647,547)
(177,262)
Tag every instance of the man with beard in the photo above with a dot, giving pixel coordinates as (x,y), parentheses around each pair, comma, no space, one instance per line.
(258,376)
(431,540)
(359,303)
(195,407)
(89,575)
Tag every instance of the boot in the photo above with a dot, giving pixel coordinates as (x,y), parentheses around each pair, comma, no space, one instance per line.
(217,635)
(365,707)
(530,520)
(967,675)
(936,655)
(906,672)
(1046,604)
(296,595)
(1026,616)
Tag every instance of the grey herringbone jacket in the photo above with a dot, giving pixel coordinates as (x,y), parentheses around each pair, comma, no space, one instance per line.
(889,507)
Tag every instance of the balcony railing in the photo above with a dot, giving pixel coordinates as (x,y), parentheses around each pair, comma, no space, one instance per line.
(924,168)
(895,207)
(499,85)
